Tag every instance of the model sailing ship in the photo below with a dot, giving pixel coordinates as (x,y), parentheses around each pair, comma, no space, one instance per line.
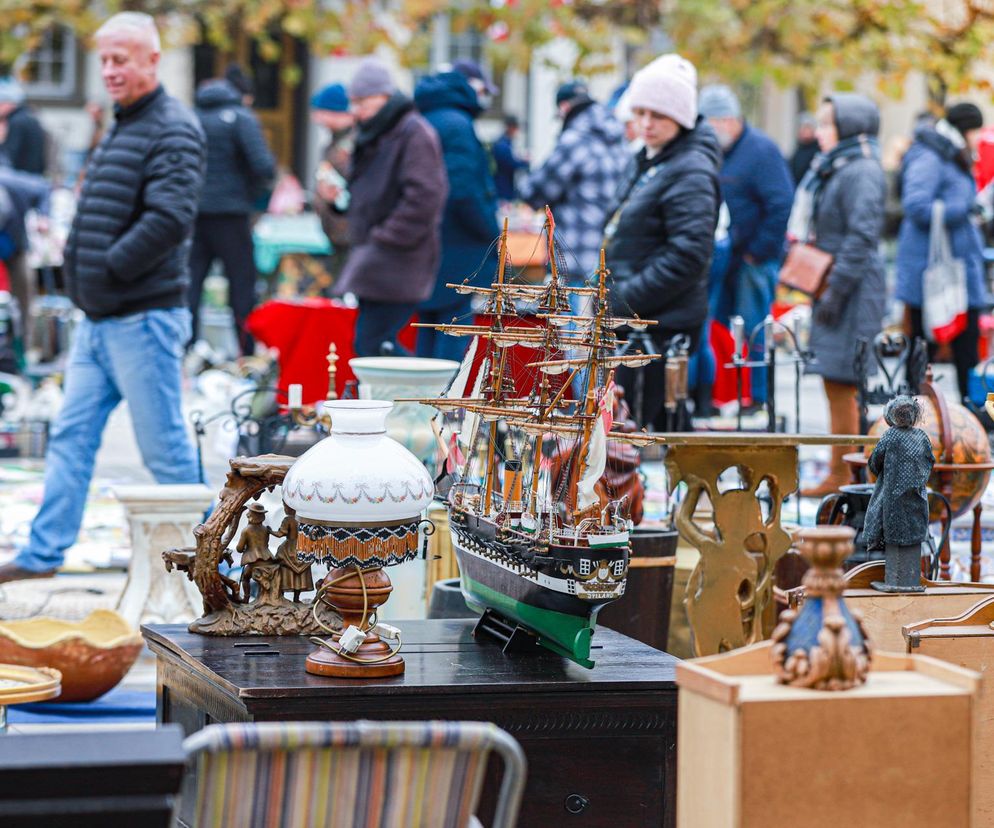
(546,557)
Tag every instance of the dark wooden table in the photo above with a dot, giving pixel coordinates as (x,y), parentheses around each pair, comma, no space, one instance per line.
(107,779)
(601,743)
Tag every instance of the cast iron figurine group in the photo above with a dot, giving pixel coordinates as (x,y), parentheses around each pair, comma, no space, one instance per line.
(228,606)
(898,515)
(253,545)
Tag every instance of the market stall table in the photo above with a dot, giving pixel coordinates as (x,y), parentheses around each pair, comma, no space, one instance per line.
(601,743)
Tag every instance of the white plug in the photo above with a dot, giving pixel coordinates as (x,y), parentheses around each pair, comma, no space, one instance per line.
(386,631)
(351,639)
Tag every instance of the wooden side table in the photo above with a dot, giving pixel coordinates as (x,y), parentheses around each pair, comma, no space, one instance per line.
(601,743)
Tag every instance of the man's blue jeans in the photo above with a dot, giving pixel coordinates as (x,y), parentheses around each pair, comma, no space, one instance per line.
(135,358)
(755,287)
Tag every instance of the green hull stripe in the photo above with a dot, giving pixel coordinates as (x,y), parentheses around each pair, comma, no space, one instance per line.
(567,635)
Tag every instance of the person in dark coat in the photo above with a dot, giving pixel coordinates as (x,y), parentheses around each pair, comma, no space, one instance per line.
(126,269)
(239,165)
(330,110)
(806,148)
(20,193)
(756,186)
(397,193)
(839,207)
(939,167)
(902,461)
(469,224)
(580,178)
(24,139)
(506,161)
(660,238)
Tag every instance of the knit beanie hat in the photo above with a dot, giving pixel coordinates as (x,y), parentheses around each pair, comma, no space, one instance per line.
(965,116)
(571,90)
(668,86)
(236,76)
(372,77)
(331,98)
(11,91)
(719,101)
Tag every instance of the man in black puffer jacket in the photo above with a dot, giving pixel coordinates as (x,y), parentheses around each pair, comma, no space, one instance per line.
(238,165)
(126,268)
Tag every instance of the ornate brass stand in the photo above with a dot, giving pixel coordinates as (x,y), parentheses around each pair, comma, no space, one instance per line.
(729,596)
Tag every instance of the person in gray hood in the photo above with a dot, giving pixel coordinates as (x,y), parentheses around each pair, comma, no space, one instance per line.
(839,208)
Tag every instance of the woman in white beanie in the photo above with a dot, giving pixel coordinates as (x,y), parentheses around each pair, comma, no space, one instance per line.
(661,236)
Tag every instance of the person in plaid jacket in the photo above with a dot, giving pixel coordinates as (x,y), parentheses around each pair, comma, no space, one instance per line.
(580,178)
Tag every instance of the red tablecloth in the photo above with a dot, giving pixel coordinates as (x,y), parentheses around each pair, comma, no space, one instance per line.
(303,329)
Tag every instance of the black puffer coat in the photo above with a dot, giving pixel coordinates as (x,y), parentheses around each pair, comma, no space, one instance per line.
(661,237)
(238,161)
(129,244)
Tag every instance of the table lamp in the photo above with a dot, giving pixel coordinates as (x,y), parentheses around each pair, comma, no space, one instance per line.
(359,497)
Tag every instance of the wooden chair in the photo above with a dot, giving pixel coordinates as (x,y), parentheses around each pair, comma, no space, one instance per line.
(351,774)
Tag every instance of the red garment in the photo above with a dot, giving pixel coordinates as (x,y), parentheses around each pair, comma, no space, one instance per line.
(983,170)
(4,277)
(725,387)
(302,330)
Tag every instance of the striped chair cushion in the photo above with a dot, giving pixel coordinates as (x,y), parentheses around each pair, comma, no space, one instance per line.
(340,775)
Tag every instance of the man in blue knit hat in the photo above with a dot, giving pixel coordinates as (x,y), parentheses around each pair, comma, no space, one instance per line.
(330,110)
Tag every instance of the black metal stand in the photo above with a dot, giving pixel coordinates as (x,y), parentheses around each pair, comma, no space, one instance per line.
(646,345)
(910,361)
(768,363)
(513,637)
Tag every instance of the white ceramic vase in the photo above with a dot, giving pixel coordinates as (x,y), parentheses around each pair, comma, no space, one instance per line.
(392,378)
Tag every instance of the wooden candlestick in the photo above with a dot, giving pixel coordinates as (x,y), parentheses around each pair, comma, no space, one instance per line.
(346,594)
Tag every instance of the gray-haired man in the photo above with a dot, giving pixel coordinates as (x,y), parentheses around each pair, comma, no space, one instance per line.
(126,268)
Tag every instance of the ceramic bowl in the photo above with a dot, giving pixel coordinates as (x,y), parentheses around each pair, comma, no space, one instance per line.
(93,655)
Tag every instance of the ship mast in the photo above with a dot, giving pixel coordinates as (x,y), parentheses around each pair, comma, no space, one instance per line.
(590,400)
(550,227)
(497,372)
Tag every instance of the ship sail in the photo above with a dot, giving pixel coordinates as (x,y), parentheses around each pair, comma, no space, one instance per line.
(462,381)
(596,459)
(471,420)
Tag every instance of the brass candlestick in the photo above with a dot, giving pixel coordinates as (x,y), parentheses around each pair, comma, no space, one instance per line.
(308,417)
(824,646)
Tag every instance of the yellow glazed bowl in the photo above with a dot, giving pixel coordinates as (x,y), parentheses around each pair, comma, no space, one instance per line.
(93,655)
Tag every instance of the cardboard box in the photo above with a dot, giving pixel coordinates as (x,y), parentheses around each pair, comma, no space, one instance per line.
(753,753)
(968,641)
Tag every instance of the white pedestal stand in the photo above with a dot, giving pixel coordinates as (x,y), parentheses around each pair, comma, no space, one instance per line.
(160,518)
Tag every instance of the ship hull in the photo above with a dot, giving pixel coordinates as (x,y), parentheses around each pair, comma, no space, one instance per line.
(564,623)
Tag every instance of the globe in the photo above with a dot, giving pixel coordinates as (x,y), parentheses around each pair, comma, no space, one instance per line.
(970,445)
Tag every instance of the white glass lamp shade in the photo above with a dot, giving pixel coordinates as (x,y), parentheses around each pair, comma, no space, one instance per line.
(358,494)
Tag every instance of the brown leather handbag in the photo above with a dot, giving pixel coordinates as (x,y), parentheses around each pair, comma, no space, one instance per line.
(806,269)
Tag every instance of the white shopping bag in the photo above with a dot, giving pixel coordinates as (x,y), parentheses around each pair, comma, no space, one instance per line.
(944,299)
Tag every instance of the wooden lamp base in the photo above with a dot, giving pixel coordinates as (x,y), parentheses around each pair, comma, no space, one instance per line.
(356,596)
